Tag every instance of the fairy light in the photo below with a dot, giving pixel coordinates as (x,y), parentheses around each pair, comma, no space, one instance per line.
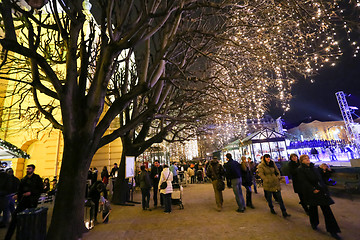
(265,58)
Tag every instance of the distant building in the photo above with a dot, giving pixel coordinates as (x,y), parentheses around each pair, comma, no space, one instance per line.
(316,130)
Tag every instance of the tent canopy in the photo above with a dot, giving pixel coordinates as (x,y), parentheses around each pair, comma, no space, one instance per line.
(8,151)
(264,135)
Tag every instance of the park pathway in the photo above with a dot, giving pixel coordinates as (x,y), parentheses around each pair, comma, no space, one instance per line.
(200,220)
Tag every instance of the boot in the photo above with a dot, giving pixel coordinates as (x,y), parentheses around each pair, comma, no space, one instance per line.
(272,211)
(285,214)
(248,200)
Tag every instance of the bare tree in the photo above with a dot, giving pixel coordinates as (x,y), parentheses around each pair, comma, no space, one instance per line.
(73,61)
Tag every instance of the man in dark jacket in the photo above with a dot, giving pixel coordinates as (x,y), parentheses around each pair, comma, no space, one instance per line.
(216,173)
(233,177)
(114,170)
(156,170)
(316,194)
(4,190)
(12,186)
(145,186)
(94,194)
(29,192)
(293,166)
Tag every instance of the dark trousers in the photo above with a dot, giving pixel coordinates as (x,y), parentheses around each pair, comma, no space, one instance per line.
(248,196)
(175,179)
(167,202)
(3,209)
(254,184)
(277,196)
(155,193)
(145,197)
(330,221)
(161,199)
(236,185)
(305,207)
(193,179)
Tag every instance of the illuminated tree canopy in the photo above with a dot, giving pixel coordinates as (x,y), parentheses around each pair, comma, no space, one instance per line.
(157,69)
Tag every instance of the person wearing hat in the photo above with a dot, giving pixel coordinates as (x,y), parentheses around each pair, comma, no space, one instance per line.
(216,173)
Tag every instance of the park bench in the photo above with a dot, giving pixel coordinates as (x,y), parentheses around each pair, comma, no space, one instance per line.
(347,181)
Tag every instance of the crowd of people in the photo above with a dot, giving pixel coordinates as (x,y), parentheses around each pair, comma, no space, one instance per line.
(309,182)
(26,191)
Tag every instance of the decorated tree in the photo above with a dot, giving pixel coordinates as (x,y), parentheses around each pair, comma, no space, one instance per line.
(154,69)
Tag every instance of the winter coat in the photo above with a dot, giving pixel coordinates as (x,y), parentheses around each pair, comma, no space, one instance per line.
(293,166)
(311,180)
(165,175)
(4,184)
(144,178)
(232,169)
(33,184)
(190,172)
(247,174)
(215,171)
(155,171)
(270,175)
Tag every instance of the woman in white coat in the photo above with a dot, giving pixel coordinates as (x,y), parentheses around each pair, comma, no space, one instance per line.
(166,176)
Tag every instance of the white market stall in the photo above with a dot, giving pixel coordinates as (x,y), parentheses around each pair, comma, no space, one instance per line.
(265,141)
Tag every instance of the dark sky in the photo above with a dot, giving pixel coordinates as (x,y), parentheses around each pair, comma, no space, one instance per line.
(317,100)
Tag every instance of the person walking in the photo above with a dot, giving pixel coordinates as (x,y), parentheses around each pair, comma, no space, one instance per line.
(95,192)
(13,186)
(166,176)
(233,178)
(216,173)
(293,166)
(253,167)
(4,191)
(247,180)
(145,186)
(105,176)
(28,194)
(174,169)
(191,174)
(156,170)
(270,175)
(316,194)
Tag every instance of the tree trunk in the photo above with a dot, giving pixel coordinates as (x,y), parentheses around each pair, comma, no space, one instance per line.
(68,216)
(121,187)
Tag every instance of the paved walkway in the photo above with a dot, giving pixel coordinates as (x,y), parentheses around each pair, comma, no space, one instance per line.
(200,220)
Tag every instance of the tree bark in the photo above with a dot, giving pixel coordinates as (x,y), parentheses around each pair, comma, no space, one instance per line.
(68,216)
(121,188)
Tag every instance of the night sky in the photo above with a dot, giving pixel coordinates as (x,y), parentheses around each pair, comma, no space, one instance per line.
(317,100)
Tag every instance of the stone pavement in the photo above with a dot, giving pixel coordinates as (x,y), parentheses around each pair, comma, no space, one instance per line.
(200,220)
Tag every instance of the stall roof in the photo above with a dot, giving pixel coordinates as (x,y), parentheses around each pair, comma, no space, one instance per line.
(233,145)
(264,135)
(8,151)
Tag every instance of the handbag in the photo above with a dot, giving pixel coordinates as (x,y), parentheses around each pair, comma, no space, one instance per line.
(220,185)
(163,185)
